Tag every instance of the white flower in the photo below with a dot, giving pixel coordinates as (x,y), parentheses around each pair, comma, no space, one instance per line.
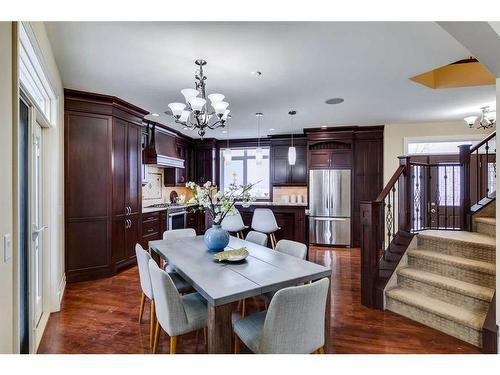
(207,184)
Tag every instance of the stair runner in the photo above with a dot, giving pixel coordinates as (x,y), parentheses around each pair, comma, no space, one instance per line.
(449,280)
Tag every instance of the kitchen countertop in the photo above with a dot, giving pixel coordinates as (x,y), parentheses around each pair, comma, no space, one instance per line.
(146,210)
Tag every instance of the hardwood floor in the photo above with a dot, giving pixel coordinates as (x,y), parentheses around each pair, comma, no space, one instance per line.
(101,317)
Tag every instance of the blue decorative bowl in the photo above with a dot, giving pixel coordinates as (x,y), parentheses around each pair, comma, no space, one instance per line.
(216,239)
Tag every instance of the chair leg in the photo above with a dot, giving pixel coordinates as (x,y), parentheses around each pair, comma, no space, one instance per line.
(243,308)
(205,335)
(141,306)
(151,323)
(173,344)
(321,350)
(273,240)
(237,348)
(156,337)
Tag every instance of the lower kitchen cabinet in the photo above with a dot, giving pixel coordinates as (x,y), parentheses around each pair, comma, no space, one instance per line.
(290,219)
(125,236)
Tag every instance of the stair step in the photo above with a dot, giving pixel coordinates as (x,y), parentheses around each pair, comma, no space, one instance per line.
(472,245)
(458,322)
(456,292)
(460,268)
(485,225)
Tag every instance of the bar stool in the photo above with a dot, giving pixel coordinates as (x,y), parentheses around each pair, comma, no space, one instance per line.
(263,220)
(234,224)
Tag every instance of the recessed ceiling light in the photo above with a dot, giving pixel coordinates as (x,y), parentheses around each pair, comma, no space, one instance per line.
(185,128)
(224,131)
(324,127)
(155,114)
(257,73)
(271,129)
(334,101)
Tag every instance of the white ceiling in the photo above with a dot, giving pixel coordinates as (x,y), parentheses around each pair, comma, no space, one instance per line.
(302,64)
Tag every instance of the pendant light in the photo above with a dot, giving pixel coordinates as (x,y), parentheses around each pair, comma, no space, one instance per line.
(258,151)
(227,151)
(292,153)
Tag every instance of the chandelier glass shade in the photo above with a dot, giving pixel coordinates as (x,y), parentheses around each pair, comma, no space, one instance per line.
(196,113)
(486,120)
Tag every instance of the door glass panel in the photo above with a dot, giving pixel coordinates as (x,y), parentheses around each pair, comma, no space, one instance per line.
(449,186)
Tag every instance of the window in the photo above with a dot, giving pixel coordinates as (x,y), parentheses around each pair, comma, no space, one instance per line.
(449,186)
(436,148)
(243,169)
(34,81)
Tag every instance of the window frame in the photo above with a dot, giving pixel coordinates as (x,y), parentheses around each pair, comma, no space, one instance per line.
(245,158)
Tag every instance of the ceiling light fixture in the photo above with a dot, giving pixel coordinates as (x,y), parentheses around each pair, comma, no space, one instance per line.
(486,120)
(155,114)
(196,113)
(292,152)
(334,101)
(258,151)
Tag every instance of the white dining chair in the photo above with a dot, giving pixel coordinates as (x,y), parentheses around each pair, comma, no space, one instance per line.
(263,221)
(293,324)
(234,224)
(257,237)
(176,315)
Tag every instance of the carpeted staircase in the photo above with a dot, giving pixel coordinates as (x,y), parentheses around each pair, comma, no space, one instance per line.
(449,280)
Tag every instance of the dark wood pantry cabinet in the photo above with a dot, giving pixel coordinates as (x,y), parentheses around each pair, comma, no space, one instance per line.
(103,143)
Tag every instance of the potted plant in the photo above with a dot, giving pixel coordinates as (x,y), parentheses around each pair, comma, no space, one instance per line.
(218,204)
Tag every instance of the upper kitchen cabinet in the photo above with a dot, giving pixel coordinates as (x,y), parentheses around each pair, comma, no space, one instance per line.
(330,149)
(205,161)
(282,173)
(102,183)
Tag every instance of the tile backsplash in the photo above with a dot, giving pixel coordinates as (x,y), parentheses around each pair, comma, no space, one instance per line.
(290,194)
(155,191)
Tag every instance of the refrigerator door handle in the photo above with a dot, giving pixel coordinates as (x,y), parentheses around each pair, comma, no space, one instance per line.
(330,218)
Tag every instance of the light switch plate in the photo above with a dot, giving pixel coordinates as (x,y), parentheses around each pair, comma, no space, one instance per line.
(7,248)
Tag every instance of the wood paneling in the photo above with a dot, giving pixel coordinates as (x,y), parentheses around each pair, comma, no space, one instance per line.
(282,173)
(101,317)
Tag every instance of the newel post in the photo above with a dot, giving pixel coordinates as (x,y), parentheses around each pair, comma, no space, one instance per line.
(464,157)
(405,198)
(370,243)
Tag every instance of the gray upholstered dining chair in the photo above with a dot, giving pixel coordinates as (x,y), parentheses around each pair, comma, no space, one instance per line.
(177,315)
(293,248)
(257,237)
(143,258)
(294,322)
(234,224)
(174,234)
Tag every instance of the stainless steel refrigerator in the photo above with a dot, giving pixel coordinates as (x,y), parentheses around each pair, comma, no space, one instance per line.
(330,207)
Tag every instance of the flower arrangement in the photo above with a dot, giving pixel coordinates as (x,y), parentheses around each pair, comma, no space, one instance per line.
(217,203)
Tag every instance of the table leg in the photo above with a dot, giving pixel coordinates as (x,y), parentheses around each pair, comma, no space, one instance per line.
(220,330)
(327,316)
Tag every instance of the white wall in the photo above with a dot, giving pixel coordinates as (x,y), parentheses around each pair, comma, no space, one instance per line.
(395,134)
(6,268)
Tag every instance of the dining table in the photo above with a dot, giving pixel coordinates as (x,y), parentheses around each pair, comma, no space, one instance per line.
(222,283)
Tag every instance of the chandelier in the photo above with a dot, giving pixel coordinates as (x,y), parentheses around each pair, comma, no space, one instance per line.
(486,120)
(196,113)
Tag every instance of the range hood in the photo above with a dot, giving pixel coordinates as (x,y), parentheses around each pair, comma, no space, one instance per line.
(160,149)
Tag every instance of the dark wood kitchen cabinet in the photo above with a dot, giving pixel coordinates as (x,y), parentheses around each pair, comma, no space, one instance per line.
(103,139)
(205,161)
(282,173)
(127,182)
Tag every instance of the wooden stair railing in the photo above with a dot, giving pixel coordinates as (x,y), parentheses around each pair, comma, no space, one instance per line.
(385,234)
(478,186)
